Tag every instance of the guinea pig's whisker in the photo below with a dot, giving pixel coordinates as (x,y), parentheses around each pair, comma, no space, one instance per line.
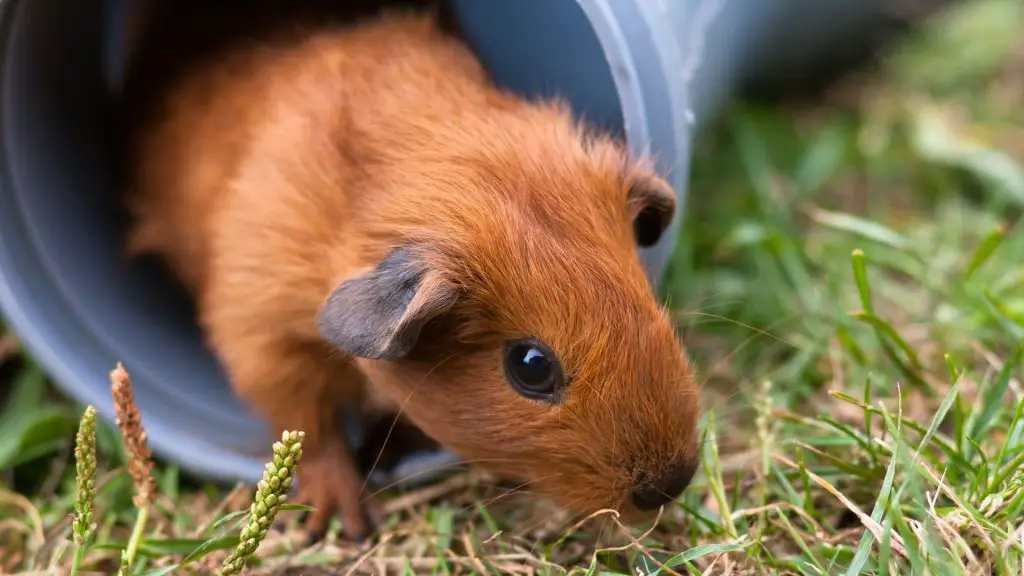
(727,408)
(699,306)
(445,466)
(603,513)
(686,392)
(428,471)
(759,331)
(520,489)
(398,416)
(702,310)
(571,523)
(678,316)
(452,466)
(723,360)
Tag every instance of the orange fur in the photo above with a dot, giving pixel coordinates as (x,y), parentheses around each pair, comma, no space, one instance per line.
(273,173)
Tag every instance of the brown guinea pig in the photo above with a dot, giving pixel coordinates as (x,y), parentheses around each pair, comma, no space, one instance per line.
(364,219)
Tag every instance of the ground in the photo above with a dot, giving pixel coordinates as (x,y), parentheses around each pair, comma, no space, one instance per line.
(850,282)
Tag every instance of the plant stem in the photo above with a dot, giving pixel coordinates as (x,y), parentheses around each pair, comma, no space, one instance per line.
(133,544)
(79,558)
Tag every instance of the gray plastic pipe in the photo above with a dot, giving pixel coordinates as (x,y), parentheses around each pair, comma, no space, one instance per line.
(654,70)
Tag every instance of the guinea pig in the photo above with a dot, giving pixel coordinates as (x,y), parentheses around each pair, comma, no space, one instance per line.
(366,220)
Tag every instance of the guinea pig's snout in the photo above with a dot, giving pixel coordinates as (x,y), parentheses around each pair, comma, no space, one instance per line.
(650,494)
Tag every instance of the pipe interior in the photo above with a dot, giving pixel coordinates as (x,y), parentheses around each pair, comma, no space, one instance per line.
(81,306)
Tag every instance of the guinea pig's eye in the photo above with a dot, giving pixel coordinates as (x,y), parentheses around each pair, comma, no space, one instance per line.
(648,227)
(532,369)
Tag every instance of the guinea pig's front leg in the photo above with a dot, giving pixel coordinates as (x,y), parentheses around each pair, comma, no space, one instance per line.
(330,481)
(297,386)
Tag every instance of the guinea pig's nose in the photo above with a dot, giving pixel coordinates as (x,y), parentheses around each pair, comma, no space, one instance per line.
(652,495)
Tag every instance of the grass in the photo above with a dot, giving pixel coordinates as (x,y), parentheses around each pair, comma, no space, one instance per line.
(850,282)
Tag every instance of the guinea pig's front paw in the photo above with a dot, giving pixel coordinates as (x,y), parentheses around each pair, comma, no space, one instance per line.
(332,487)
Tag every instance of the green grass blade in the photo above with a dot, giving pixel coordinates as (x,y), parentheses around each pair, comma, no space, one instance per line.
(890,333)
(799,541)
(992,401)
(940,416)
(698,552)
(860,278)
(1002,314)
(864,228)
(824,157)
(985,250)
(861,557)
(20,410)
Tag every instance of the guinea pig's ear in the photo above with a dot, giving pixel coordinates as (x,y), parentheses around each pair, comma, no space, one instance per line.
(379,314)
(652,205)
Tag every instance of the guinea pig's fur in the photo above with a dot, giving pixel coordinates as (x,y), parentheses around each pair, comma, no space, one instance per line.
(365,220)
